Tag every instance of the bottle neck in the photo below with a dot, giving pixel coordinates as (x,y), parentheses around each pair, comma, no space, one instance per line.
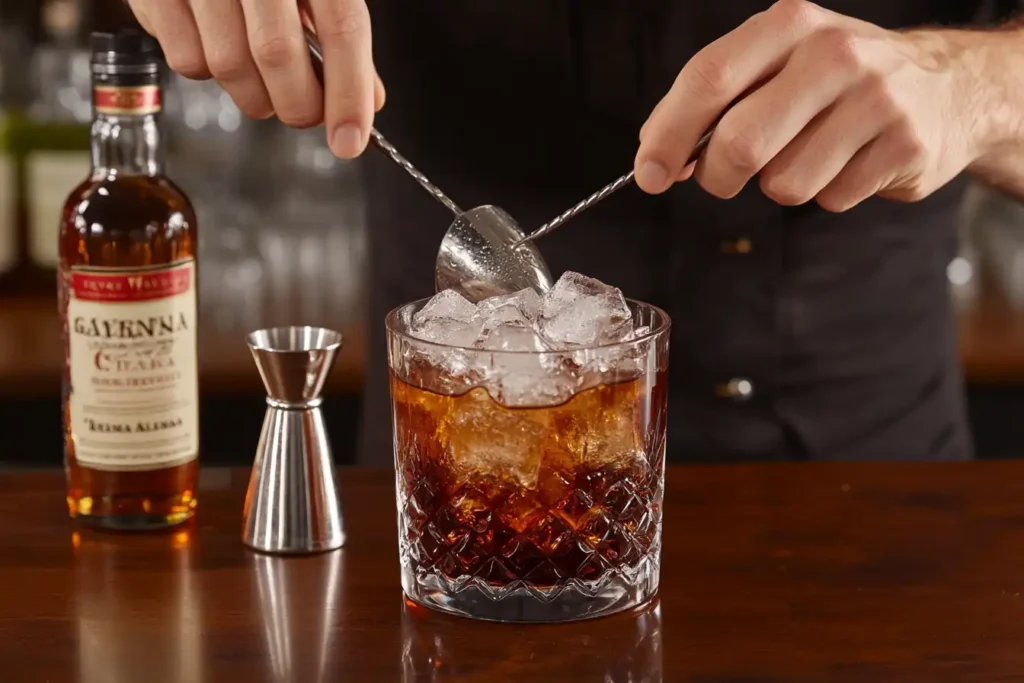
(126,145)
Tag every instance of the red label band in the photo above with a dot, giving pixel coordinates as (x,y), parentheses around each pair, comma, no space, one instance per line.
(138,100)
(128,286)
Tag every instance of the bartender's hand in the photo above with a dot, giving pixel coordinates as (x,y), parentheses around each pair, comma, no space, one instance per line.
(846,110)
(256,51)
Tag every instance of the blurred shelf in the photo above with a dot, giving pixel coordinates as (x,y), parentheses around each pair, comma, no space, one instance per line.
(31,353)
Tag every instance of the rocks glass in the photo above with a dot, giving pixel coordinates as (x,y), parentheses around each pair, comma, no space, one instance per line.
(530,483)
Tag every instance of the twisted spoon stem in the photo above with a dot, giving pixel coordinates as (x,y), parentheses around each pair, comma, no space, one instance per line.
(378,140)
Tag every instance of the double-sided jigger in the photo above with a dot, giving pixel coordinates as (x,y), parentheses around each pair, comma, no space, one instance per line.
(292,504)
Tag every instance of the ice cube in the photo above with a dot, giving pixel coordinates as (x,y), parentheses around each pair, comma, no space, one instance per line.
(447,318)
(529,379)
(582,311)
(488,440)
(511,336)
(448,305)
(526,301)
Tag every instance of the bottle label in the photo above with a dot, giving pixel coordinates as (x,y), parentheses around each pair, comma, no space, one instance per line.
(126,100)
(132,356)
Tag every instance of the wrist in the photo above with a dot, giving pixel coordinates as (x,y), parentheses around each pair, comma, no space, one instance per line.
(985,88)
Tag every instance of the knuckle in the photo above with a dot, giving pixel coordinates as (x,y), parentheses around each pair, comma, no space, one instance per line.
(909,147)
(277,51)
(301,117)
(880,98)
(795,13)
(228,66)
(253,104)
(709,76)
(783,190)
(188,63)
(834,201)
(841,48)
(343,23)
(742,149)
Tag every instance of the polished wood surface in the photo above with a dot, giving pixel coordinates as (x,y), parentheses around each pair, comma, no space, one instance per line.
(789,572)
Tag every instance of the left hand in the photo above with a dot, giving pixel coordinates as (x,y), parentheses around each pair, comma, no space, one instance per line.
(846,110)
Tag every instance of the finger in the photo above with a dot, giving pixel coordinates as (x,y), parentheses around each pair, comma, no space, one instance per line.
(343,27)
(380,95)
(713,79)
(813,160)
(172,24)
(752,132)
(889,161)
(222,29)
(279,50)
(139,10)
(657,108)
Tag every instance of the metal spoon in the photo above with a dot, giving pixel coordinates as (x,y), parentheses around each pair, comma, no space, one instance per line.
(608,189)
(476,257)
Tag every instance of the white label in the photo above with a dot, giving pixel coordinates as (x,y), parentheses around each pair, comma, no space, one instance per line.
(132,355)
(50,178)
(8,229)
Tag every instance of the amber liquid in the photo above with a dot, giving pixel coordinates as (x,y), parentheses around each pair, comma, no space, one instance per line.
(125,221)
(542,495)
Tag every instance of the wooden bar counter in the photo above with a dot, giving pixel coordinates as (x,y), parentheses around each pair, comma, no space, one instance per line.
(795,572)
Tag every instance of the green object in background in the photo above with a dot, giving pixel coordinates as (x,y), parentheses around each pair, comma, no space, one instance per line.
(8,200)
(53,158)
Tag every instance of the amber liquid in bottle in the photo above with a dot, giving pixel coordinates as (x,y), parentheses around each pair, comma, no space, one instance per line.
(128,306)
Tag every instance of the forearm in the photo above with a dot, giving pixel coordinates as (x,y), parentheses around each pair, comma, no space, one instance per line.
(994,82)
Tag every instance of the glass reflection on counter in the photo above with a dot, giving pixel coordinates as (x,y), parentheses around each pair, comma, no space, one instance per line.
(624,648)
(124,635)
(288,590)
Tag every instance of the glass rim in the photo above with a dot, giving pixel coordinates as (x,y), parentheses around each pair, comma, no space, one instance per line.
(665,324)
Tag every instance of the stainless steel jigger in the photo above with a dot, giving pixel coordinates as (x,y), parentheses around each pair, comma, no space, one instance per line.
(292,503)
(476,257)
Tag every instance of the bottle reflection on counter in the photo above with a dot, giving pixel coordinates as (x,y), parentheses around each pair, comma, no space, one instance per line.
(123,634)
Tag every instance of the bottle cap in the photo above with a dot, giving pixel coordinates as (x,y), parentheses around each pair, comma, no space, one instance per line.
(125,51)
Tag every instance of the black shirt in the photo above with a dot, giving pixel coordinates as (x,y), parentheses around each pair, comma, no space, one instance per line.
(796,333)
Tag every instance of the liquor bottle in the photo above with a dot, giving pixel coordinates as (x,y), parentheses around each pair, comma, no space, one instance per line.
(127,282)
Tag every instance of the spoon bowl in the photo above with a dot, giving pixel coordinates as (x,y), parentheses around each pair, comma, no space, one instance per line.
(478,257)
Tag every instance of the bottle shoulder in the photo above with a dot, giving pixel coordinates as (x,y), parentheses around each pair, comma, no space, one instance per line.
(128,203)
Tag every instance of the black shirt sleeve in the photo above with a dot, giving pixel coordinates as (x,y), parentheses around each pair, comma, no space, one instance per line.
(999,11)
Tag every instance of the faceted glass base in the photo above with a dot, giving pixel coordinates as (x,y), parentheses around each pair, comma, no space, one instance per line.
(521,602)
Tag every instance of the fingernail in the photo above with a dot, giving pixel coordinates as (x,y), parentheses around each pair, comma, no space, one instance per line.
(347,140)
(653,176)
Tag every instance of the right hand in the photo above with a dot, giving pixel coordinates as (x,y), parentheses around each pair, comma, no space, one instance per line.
(256,51)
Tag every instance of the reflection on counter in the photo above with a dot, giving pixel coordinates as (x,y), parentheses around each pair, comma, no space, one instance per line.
(122,634)
(437,648)
(283,581)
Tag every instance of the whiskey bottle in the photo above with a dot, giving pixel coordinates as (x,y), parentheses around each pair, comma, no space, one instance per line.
(127,280)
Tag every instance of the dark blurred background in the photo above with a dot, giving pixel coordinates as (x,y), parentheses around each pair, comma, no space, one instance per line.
(283,242)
